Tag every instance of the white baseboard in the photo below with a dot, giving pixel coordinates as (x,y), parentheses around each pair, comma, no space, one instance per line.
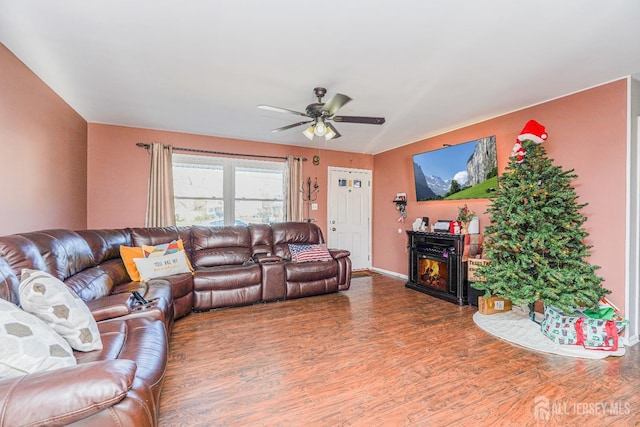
(390,273)
(630,341)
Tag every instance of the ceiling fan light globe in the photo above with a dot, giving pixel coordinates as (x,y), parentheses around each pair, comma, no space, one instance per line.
(320,129)
(330,134)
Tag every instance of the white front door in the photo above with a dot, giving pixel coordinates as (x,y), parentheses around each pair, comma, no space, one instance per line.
(349,214)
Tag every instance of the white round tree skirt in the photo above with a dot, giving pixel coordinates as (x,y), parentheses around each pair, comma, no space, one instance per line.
(516,327)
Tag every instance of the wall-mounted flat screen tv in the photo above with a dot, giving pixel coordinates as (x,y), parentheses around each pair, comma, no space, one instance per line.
(463,171)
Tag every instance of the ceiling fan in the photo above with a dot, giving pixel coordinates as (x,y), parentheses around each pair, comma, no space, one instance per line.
(320,114)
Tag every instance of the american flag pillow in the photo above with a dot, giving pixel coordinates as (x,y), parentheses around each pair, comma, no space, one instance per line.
(306,253)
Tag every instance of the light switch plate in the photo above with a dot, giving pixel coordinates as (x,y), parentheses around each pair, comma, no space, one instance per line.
(314,206)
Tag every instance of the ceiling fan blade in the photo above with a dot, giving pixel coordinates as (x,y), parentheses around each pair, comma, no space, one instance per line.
(291,126)
(282,110)
(358,119)
(336,102)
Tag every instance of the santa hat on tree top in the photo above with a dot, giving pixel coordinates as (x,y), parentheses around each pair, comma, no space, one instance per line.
(533,131)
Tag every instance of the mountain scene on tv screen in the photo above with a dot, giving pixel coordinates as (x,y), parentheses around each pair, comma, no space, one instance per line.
(463,171)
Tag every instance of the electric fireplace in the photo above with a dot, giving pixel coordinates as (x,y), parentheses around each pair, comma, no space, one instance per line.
(435,265)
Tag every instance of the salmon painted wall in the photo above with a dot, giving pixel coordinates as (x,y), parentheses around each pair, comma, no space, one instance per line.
(587,132)
(118,170)
(43,154)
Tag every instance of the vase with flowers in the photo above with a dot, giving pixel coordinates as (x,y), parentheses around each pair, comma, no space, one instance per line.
(465,216)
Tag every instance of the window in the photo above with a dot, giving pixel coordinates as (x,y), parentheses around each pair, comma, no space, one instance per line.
(218,190)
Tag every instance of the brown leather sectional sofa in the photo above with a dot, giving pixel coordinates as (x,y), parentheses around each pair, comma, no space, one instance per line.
(121,384)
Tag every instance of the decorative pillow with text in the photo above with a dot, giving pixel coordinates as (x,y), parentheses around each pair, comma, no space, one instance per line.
(129,254)
(161,266)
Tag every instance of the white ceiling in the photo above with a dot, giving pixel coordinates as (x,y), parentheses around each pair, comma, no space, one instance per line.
(202,67)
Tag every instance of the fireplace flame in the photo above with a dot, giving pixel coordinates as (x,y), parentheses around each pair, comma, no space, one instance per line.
(430,273)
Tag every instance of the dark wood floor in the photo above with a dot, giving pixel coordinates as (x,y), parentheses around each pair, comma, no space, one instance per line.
(380,354)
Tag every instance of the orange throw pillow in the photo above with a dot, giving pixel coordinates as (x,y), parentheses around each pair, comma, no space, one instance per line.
(128,253)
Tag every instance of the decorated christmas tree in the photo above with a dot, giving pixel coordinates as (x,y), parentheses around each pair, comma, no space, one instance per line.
(536,240)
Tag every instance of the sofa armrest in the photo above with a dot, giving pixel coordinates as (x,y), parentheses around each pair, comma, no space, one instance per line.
(110,306)
(339,253)
(266,258)
(67,395)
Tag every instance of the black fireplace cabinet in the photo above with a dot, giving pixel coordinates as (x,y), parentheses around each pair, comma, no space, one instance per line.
(435,265)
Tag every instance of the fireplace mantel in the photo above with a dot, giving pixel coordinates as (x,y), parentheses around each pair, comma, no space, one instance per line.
(435,265)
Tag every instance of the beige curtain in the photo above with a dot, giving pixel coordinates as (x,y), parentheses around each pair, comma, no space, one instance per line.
(160,205)
(294,185)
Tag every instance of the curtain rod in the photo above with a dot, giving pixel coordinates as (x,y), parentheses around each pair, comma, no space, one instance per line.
(194,150)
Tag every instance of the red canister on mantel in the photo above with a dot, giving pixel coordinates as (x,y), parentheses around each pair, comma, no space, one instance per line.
(454,227)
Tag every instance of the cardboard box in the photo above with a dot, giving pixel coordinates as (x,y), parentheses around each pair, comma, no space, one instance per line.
(472,266)
(493,305)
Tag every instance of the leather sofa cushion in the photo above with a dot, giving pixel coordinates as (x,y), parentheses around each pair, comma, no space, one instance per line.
(158,235)
(218,246)
(207,300)
(99,281)
(294,232)
(90,284)
(105,244)
(310,271)
(67,395)
(315,287)
(140,339)
(226,286)
(220,257)
(65,255)
(261,238)
(65,252)
(226,277)
(180,284)
(20,252)
(110,307)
